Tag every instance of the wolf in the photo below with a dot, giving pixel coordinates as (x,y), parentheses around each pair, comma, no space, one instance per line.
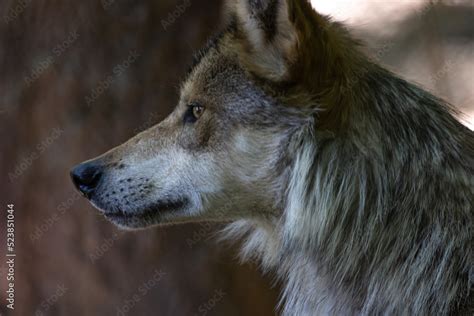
(353,185)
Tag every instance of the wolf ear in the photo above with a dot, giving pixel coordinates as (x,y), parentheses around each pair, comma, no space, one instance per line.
(266,35)
(287,41)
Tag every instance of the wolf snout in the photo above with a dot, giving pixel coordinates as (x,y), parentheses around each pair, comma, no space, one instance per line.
(86,177)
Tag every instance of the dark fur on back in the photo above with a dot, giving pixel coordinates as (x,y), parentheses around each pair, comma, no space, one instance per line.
(378,215)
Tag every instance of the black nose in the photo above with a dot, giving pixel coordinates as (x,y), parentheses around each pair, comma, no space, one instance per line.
(86,177)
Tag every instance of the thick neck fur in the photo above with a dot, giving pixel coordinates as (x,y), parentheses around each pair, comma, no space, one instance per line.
(377,217)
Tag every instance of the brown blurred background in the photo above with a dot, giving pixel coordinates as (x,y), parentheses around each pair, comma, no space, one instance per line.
(79,77)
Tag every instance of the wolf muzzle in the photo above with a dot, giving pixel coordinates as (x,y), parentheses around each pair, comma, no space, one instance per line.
(86,177)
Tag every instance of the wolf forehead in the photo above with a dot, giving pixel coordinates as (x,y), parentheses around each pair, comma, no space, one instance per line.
(217,78)
(213,63)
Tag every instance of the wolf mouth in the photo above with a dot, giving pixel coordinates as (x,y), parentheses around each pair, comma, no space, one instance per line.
(150,211)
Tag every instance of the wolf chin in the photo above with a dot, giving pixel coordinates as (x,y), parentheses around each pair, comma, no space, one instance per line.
(353,185)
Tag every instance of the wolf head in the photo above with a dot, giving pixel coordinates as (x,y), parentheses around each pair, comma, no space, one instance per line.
(355,184)
(222,153)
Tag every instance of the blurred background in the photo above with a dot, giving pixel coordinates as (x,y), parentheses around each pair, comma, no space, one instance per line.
(80,77)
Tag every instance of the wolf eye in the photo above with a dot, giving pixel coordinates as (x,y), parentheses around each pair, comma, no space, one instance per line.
(193,113)
(197,111)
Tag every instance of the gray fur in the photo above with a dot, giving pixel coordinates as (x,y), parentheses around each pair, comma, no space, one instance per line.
(353,185)
(378,224)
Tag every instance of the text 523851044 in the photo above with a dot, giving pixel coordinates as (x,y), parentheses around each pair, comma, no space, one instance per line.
(10,256)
